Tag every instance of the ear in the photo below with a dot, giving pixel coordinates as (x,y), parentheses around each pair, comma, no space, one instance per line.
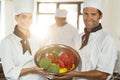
(101,16)
(65,18)
(16,17)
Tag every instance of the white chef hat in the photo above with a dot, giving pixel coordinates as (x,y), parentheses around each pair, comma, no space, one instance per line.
(23,6)
(98,4)
(62,13)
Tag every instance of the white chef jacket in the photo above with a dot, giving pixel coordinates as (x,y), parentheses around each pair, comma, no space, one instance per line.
(13,59)
(117,65)
(62,35)
(99,54)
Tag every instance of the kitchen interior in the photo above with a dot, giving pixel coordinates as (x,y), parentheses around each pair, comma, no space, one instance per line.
(44,13)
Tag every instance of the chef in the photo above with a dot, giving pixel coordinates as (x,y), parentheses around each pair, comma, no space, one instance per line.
(18,49)
(97,49)
(61,32)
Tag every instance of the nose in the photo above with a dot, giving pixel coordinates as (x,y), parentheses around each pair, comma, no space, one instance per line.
(88,17)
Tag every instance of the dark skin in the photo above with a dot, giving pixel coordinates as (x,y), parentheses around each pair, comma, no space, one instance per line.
(91,17)
(93,74)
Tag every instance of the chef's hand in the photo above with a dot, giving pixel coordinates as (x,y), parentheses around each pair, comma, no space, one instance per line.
(40,70)
(65,76)
(44,73)
(33,70)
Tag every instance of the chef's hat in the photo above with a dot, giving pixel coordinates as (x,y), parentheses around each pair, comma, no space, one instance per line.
(98,4)
(62,13)
(23,6)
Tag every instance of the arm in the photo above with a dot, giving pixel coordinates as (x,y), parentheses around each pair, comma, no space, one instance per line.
(26,70)
(31,70)
(93,74)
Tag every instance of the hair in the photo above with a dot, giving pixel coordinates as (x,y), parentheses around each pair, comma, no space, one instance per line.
(18,15)
(99,12)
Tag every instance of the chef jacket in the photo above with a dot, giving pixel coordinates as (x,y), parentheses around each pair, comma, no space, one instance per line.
(13,59)
(117,65)
(99,54)
(62,35)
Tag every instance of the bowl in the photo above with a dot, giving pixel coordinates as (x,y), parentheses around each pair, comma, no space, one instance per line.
(57,59)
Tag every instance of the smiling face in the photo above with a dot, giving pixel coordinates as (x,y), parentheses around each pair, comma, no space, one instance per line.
(91,17)
(24,20)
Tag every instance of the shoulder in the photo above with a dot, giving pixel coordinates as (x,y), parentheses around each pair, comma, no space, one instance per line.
(52,25)
(107,39)
(8,38)
(107,36)
(8,41)
(71,27)
(103,35)
(11,39)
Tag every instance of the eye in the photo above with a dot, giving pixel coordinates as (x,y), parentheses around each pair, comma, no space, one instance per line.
(23,16)
(93,14)
(85,13)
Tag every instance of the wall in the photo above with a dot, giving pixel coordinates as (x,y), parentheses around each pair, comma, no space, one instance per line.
(0,16)
(9,17)
(1,20)
(111,19)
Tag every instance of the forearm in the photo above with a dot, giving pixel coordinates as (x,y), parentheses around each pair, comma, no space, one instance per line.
(27,70)
(36,70)
(93,74)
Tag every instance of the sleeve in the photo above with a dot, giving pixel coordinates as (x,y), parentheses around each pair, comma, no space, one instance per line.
(117,65)
(11,70)
(108,56)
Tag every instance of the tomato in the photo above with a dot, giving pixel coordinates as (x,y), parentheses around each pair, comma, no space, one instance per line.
(63,56)
(67,61)
(51,57)
(72,57)
(61,63)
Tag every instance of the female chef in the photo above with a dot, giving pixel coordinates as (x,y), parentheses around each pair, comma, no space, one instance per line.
(18,49)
